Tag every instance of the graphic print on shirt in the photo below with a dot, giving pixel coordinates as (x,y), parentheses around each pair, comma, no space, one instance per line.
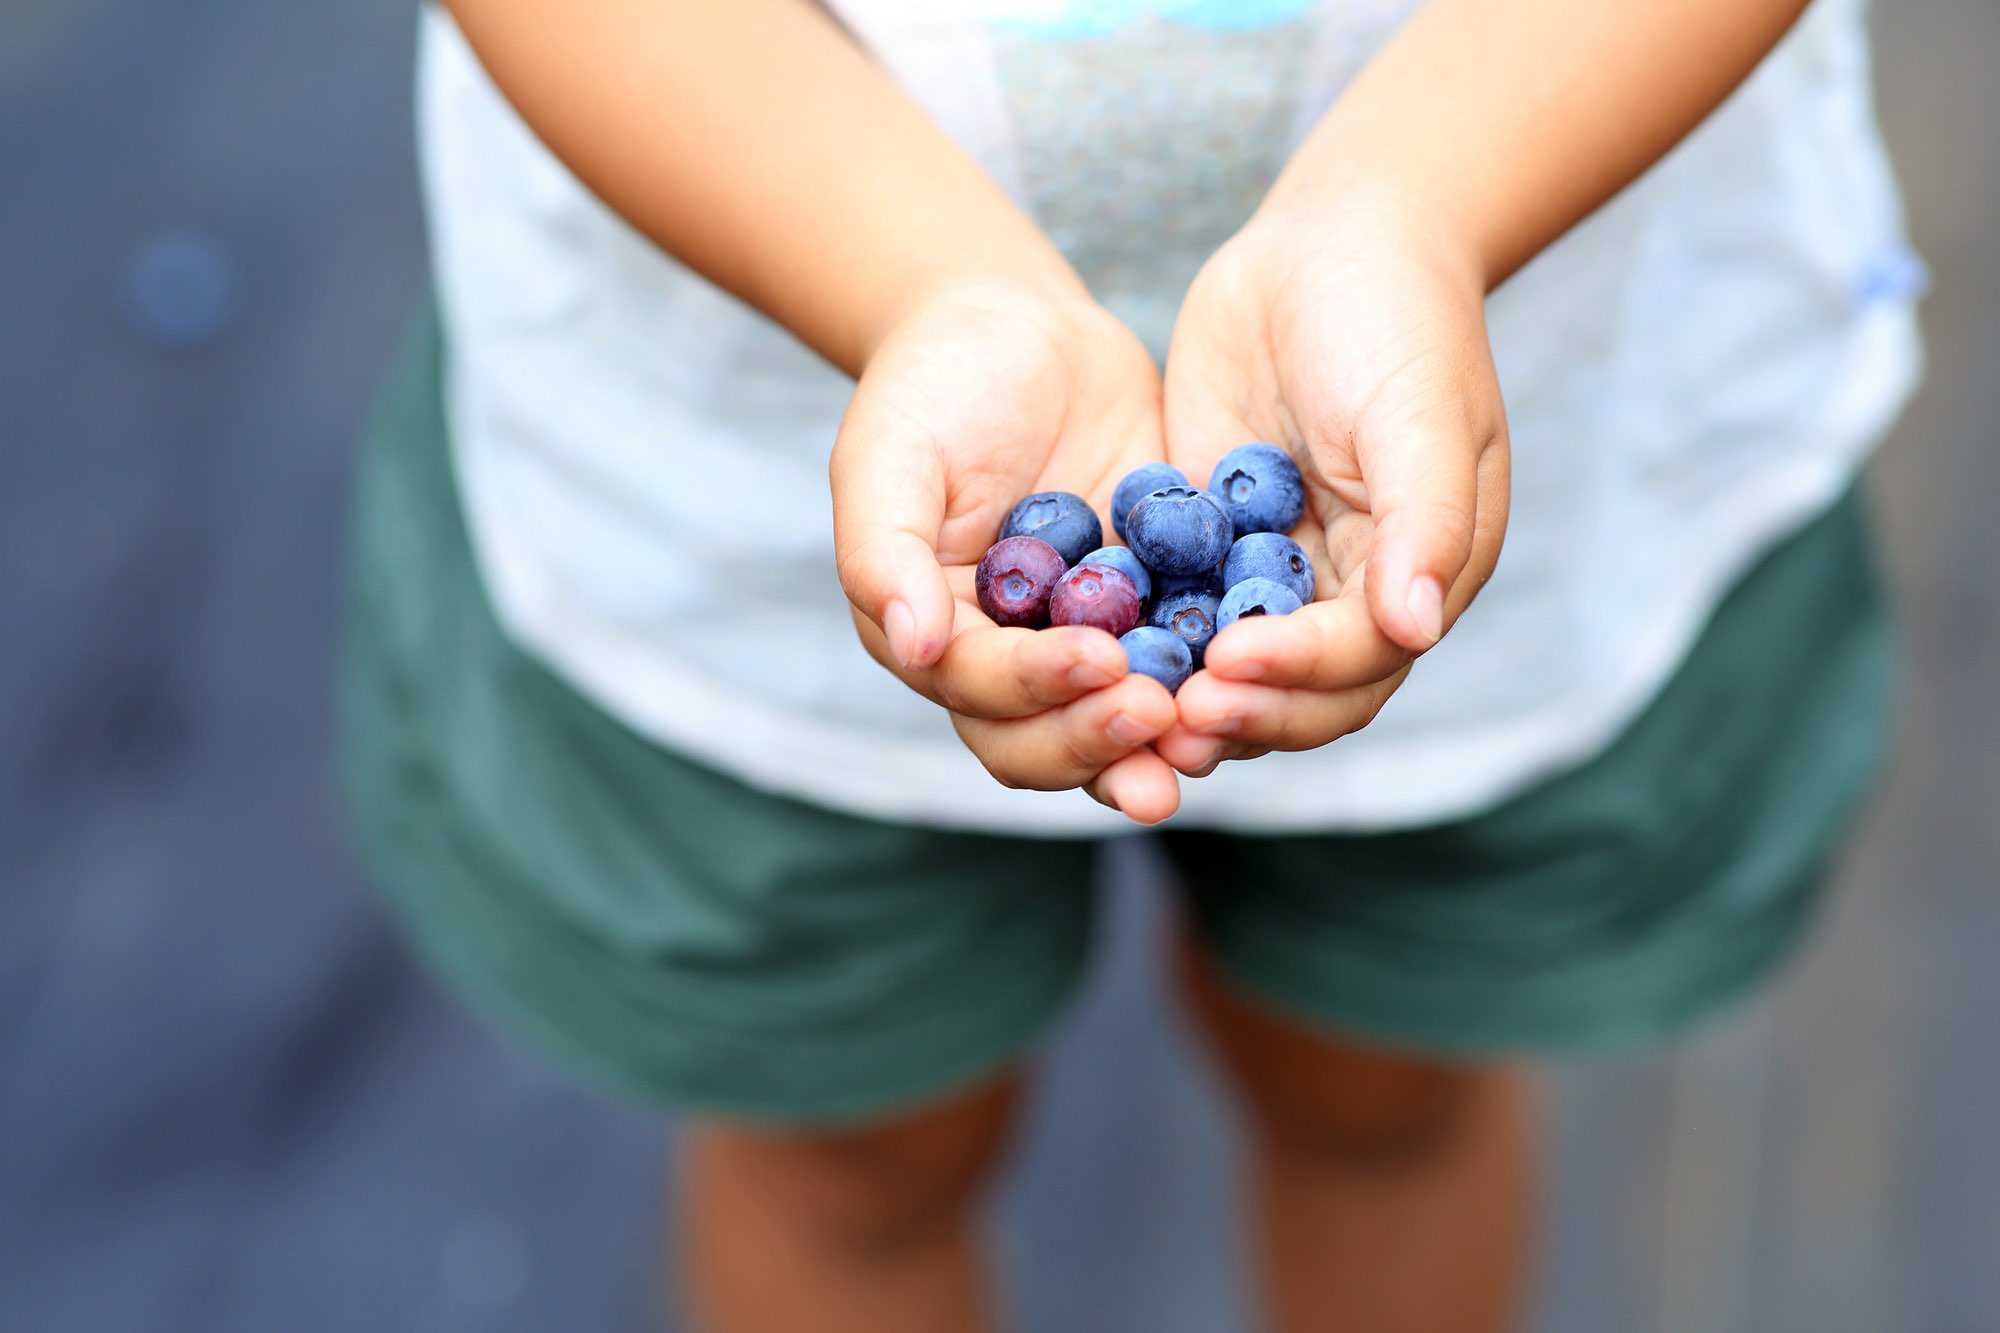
(1069,20)
(1147,131)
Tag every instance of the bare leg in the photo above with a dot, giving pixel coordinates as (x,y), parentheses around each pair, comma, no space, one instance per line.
(867,1230)
(1391,1193)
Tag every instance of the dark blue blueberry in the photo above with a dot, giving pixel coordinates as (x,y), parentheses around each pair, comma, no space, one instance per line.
(1158,653)
(1261,486)
(1137,485)
(1121,559)
(1179,530)
(1191,617)
(1270,555)
(1209,581)
(1062,520)
(1256,597)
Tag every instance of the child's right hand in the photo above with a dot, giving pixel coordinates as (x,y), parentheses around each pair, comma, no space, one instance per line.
(977,397)
(973,395)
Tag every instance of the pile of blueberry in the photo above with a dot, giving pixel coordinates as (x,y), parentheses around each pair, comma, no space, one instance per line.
(1195,561)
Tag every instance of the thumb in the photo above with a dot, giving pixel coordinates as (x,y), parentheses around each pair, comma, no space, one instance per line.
(1423,494)
(888,506)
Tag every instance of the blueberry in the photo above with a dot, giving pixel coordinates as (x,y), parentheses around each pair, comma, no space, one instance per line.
(1270,555)
(1179,530)
(1098,596)
(1137,485)
(1261,486)
(1062,520)
(1158,653)
(1191,617)
(1015,579)
(1256,597)
(1121,559)
(1209,581)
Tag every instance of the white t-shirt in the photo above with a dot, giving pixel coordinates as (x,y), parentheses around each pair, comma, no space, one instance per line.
(1691,374)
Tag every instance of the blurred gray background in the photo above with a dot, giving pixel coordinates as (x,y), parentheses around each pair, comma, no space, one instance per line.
(229,1102)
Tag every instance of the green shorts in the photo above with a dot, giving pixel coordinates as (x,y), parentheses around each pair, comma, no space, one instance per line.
(714,947)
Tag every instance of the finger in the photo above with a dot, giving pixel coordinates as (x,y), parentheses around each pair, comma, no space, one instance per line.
(1345,542)
(1423,497)
(1070,746)
(1332,645)
(989,672)
(1192,753)
(1009,673)
(1255,718)
(888,505)
(1140,786)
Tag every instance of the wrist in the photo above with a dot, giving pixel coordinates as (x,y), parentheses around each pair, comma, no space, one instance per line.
(1342,209)
(1052,301)
(1045,289)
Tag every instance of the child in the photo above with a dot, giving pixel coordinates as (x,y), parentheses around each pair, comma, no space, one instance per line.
(634,783)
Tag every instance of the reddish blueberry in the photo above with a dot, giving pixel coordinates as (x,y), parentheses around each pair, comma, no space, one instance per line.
(1015,579)
(1098,596)
(1121,559)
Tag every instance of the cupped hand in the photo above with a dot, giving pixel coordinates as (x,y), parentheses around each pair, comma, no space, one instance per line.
(1352,335)
(974,400)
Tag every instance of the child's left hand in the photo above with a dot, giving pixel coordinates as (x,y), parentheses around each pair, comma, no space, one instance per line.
(1355,339)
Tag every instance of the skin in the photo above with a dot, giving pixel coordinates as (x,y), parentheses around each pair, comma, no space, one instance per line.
(1386,1192)
(1345,322)
(864,1229)
(985,370)
(980,398)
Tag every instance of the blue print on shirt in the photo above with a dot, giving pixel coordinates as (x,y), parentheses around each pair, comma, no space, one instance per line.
(1068,20)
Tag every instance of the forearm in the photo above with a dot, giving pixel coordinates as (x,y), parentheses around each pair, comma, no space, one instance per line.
(1511,120)
(754,142)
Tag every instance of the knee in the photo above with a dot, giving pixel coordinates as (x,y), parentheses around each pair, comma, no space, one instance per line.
(1368,1110)
(1312,1098)
(877,1189)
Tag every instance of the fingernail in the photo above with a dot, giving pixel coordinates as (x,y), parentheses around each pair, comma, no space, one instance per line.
(1207,766)
(1425,603)
(1089,676)
(1222,726)
(1127,730)
(899,623)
